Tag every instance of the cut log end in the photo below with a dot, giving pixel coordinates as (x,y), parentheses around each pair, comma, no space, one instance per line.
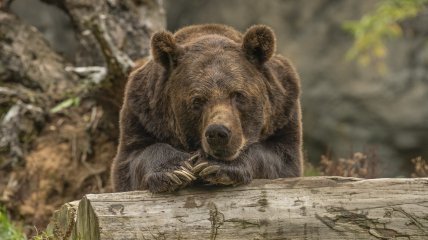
(296,208)
(87,226)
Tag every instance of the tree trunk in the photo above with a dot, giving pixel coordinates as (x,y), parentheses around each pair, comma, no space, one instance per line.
(297,208)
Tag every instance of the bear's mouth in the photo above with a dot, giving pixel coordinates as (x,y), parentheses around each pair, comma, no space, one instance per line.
(223,154)
(227,152)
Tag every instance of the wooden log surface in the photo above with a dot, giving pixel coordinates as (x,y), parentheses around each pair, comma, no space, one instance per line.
(295,208)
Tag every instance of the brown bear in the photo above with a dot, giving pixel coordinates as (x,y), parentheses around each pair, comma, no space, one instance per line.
(213,106)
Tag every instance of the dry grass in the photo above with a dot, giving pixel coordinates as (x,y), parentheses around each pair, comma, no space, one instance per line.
(362,165)
(420,167)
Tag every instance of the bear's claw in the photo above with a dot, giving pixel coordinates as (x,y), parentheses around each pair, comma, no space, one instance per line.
(171,181)
(174,178)
(211,174)
(209,170)
(199,167)
(221,174)
(188,165)
(192,158)
(184,174)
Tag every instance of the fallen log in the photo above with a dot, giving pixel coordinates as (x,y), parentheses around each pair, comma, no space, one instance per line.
(295,208)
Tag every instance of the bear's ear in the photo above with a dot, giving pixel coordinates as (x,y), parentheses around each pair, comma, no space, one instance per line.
(259,43)
(165,50)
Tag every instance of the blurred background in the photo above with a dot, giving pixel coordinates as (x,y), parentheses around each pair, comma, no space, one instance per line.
(363,68)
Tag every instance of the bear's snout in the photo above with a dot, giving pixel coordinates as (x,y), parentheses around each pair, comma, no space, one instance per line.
(217,135)
(222,136)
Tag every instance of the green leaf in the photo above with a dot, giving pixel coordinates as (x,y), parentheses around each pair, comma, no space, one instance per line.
(8,231)
(66,104)
(373,29)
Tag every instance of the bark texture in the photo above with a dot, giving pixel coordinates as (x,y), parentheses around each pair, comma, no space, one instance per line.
(296,208)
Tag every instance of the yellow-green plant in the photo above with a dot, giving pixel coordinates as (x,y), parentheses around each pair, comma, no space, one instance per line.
(373,29)
(9,231)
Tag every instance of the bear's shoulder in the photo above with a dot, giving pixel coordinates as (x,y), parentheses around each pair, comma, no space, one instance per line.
(192,33)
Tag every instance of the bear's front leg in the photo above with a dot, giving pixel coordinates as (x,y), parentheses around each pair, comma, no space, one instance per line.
(161,168)
(218,172)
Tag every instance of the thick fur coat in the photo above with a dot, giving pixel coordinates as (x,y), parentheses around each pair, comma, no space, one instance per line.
(212,106)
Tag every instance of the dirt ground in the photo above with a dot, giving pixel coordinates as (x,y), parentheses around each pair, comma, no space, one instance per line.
(71,157)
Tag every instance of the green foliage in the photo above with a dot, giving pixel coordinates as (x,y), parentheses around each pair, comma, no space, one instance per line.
(66,104)
(371,31)
(7,230)
(44,236)
(310,170)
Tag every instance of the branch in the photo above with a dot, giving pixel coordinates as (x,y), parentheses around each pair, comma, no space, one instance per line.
(297,208)
(110,34)
(110,89)
(118,63)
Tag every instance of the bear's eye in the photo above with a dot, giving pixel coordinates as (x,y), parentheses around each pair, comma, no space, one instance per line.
(197,103)
(239,98)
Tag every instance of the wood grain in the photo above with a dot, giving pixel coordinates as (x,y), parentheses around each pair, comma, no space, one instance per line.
(295,208)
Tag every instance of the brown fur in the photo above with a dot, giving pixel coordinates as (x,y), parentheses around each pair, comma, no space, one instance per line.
(202,76)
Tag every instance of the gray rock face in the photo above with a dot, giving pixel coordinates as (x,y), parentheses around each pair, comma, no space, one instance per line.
(346,107)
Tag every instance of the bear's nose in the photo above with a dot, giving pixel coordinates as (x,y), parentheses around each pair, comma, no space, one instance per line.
(217,135)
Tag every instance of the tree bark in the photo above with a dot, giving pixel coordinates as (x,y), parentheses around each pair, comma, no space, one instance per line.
(297,208)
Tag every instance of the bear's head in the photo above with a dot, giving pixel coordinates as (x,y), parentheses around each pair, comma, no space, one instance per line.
(218,89)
